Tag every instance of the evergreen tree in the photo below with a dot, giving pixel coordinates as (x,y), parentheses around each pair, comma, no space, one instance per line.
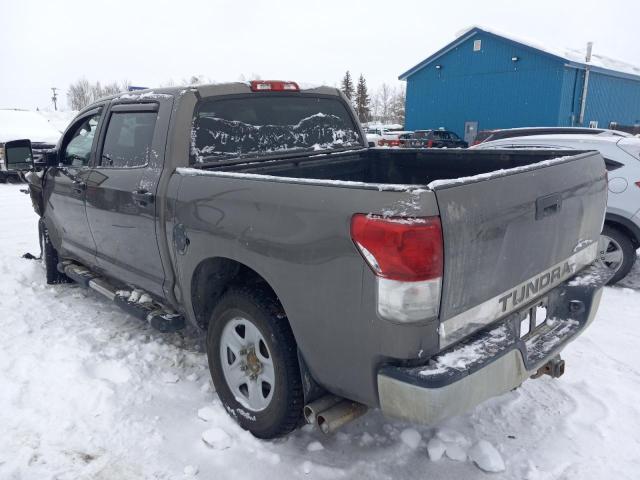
(362,100)
(347,85)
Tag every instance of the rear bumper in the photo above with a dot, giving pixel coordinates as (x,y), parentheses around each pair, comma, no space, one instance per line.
(493,361)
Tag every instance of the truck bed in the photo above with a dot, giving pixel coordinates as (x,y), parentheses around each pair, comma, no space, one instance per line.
(396,166)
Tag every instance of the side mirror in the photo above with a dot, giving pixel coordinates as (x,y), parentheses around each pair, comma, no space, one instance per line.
(18,155)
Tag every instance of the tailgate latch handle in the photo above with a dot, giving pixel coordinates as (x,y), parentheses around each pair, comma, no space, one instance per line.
(548,205)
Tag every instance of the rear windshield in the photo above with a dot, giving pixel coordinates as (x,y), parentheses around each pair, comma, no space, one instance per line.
(265,125)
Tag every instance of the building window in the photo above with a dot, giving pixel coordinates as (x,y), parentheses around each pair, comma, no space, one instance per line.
(477,45)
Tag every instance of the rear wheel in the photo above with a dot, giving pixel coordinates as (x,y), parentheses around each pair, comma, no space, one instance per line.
(253,362)
(616,252)
(50,258)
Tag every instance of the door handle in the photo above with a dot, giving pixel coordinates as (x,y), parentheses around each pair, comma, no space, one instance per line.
(78,187)
(142,197)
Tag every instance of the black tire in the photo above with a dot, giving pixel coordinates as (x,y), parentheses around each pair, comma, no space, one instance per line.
(628,252)
(50,258)
(284,411)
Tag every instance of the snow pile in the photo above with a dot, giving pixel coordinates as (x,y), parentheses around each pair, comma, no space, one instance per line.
(59,119)
(83,395)
(23,124)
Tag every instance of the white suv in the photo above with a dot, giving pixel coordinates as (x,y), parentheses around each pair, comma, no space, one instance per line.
(621,234)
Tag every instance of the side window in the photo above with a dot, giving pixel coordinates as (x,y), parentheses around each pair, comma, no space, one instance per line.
(128,139)
(77,151)
(612,164)
(454,136)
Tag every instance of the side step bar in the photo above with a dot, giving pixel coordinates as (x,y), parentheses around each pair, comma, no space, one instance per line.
(139,305)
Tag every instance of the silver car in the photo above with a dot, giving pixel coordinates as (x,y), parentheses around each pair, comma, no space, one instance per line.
(621,234)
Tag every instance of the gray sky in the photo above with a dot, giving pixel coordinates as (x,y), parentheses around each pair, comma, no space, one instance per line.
(48,43)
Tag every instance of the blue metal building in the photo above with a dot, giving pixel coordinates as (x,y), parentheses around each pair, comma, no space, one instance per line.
(485,80)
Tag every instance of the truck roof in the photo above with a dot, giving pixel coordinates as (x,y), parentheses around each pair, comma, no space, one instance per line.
(211,90)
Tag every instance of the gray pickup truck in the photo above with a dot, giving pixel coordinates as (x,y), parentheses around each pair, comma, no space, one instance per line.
(325,277)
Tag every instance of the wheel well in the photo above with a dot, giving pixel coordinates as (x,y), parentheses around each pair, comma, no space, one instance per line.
(213,277)
(624,229)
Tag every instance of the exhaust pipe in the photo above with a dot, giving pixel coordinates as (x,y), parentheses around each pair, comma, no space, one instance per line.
(339,414)
(312,409)
(554,368)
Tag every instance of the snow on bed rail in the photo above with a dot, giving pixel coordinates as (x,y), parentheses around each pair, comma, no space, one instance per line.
(396,187)
(451,182)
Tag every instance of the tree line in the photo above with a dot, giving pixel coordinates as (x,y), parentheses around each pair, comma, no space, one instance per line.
(386,105)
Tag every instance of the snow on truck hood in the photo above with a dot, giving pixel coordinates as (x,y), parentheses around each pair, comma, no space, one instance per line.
(23,124)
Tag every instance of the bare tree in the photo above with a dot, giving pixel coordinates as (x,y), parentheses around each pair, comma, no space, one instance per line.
(397,105)
(382,103)
(82,92)
(79,94)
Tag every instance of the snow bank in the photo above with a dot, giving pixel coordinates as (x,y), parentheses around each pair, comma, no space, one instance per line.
(21,124)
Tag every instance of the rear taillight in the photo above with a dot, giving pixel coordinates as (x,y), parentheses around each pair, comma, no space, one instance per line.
(638,183)
(406,255)
(273,86)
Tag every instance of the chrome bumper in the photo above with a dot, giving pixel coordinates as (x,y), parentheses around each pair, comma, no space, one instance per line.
(491,362)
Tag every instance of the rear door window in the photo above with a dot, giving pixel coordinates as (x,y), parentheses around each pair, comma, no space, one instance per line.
(253,126)
(128,140)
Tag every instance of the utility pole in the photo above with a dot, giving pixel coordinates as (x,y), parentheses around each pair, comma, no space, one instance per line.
(54,98)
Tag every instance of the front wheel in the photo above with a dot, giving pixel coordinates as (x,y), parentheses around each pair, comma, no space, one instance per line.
(253,362)
(616,252)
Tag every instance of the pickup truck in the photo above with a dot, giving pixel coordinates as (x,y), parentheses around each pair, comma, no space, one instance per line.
(325,277)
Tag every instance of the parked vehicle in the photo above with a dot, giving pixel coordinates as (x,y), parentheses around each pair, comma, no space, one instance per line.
(621,235)
(327,277)
(491,135)
(20,124)
(436,139)
(375,134)
(395,139)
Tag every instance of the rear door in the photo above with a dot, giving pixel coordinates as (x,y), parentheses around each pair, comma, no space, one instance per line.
(537,225)
(121,193)
(65,188)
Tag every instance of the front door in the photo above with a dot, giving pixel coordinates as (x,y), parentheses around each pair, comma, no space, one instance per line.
(121,195)
(65,189)
(470,132)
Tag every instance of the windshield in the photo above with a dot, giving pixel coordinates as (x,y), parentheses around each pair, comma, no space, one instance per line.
(262,125)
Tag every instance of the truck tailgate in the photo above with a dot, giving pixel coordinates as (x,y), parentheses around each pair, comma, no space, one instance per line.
(512,235)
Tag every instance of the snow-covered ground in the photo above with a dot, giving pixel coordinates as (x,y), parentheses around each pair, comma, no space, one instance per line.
(87,392)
